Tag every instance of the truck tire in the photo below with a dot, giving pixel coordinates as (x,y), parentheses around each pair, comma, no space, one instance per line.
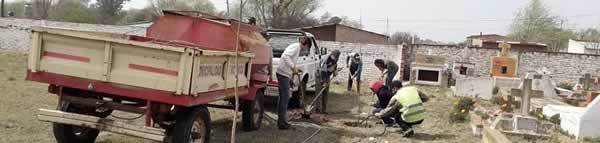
(253,111)
(73,134)
(192,125)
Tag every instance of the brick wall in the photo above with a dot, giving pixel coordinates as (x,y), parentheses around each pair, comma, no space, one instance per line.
(353,35)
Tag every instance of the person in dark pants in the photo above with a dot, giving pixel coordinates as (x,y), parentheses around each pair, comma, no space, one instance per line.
(355,65)
(384,94)
(388,68)
(285,70)
(327,68)
(406,106)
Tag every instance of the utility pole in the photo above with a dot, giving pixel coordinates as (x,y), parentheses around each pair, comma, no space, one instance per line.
(387,25)
(227,13)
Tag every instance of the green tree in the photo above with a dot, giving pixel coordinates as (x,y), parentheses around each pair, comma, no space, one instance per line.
(109,11)
(184,5)
(73,11)
(533,23)
(16,7)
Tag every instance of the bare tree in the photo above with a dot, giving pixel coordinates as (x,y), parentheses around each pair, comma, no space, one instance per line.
(592,39)
(283,14)
(403,37)
(41,8)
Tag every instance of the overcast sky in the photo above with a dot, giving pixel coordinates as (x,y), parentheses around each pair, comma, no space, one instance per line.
(445,20)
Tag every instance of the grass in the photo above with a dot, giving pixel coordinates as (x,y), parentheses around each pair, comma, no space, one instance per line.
(20,100)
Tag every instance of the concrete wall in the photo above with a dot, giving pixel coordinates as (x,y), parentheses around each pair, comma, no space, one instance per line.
(369,53)
(15,33)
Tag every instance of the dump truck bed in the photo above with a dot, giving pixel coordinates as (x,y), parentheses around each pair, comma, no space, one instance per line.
(111,63)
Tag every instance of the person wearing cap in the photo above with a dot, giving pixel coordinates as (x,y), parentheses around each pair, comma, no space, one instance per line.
(287,67)
(406,106)
(388,68)
(384,94)
(327,68)
(354,63)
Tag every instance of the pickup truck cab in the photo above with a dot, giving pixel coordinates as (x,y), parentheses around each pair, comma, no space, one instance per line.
(308,61)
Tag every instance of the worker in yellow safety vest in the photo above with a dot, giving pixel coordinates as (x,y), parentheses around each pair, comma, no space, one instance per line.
(406,106)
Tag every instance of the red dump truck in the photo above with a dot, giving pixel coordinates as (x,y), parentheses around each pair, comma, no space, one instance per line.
(186,61)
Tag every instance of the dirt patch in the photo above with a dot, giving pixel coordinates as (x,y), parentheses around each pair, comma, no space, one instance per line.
(20,100)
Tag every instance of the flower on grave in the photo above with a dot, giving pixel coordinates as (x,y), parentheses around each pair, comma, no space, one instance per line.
(462,111)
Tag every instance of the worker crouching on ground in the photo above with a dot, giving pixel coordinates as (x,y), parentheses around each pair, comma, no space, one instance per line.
(327,68)
(354,63)
(384,94)
(287,67)
(406,106)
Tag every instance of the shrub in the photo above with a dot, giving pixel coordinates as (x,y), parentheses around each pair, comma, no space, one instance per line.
(11,79)
(566,85)
(461,109)
(555,119)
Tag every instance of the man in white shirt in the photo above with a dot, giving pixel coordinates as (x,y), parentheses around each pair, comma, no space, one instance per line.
(285,70)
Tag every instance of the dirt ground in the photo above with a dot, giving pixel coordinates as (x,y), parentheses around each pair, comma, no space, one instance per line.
(20,99)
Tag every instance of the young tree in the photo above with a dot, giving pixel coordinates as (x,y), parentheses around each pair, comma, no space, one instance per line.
(109,11)
(534,23)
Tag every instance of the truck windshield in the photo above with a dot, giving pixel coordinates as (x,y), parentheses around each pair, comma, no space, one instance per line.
(281,41)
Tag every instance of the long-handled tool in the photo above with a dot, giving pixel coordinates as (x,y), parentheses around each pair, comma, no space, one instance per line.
(309,108)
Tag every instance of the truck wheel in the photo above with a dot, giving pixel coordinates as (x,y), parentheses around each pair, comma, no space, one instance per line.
(70,133)
(299,96)
(192,125)
(253,111)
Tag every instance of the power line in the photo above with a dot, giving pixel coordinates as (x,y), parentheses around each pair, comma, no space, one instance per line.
(479,19)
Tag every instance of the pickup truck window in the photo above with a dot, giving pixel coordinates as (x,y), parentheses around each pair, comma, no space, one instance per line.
(281,41)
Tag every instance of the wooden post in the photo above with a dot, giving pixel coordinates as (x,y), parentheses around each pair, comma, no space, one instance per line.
(525,98)
(2,8)
(587,82)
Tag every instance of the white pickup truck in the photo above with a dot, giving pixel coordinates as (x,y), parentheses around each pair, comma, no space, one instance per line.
(308,62)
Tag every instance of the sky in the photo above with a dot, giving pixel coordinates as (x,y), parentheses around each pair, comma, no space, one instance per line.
(444,20)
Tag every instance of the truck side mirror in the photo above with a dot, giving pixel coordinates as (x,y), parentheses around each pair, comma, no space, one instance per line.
(323,51)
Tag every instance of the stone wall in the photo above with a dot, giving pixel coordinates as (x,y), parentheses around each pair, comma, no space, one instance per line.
(559,66)
(15,33)
(369,53)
